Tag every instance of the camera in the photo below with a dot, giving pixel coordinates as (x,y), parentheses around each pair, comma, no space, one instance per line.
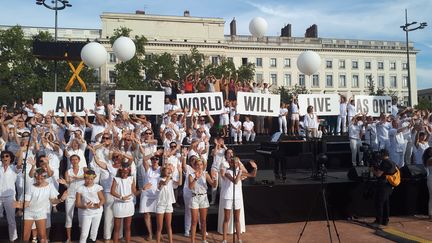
(370,157)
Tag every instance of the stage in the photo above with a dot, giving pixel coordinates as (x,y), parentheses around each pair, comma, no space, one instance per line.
(270,202)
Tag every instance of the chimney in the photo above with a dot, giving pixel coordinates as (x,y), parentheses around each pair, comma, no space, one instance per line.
(186,13)
(286,31)
(312,31)
(140,12)
(233,28)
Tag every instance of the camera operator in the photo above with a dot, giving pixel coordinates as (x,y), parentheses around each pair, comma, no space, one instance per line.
(383,189)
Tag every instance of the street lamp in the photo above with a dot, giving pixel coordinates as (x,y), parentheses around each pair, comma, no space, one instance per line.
(55,5)
(407,29)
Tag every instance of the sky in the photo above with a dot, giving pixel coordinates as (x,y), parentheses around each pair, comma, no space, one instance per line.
(360,19)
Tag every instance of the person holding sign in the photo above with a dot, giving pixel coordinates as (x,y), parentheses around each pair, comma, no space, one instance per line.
(311,123)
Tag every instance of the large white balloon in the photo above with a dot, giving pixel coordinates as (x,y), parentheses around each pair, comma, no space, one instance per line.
(308,62)
(124,48)
(94,54)
(258,27)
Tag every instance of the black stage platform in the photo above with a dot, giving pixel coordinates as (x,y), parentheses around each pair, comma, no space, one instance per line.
(291,201)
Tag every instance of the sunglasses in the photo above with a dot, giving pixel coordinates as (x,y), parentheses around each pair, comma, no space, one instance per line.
(148,133)
(5,156)
(20,120)
(173,146)
(105,137)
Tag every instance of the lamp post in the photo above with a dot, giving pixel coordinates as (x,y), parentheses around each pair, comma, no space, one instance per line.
(407,29)
(55,5)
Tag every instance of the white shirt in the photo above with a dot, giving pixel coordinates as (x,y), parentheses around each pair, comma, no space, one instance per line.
(228,192)
(310,121)
(236,124)
(39,197)
(351,110)
(354,131)
(90,195)
(124,188)
(152,176)
(166,193)
(418,153)
(201,184)
(248,125)
(7,180)
(343,109)
(106,177)
(382,131)
(75,183)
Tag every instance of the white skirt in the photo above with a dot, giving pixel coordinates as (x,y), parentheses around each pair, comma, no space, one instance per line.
(123,209)
(147,205)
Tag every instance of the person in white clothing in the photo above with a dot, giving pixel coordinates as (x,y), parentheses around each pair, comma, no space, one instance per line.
(37,200)
(8,176)
(74,178)
(218,153)
(224,119)
(342,117)
(249,129)
(421,145)
(283,112)
(311,123)
(397,143)
(351,110)
(166,199)
(355,134)
(199,204)
(89,201)
(236,129)
(427,162)
(383,128)
(124,190)
(295,117)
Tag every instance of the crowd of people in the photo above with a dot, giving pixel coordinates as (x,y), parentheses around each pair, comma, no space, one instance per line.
(110,164)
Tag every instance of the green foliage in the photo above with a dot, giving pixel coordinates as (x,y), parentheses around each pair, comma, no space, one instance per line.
(160,67)
(246,72)
(190,63)
(286,94)
(424,104)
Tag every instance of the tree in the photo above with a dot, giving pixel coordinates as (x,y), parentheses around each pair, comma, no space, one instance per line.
(286,94)
(424,104)
(190,63)
(160,67)
(246,72)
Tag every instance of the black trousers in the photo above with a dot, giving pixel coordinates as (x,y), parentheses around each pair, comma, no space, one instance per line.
(382,202)
(279,168)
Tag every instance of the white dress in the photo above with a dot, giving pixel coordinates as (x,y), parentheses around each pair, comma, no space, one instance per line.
(149,197)
(124,208)
(225,166)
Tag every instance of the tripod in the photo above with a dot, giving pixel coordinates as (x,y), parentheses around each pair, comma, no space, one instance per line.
(322,172)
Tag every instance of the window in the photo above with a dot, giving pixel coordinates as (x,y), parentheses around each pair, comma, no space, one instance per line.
(354,64)
(380,65)
(112,57)
(329,64)
(405,82)
(287,79)
(393,82)
(342,64)
(368,80)
(329,80)
(259,78)
(244,61)
(287,62)
(273,62)
(112,77)
(342,81)
(367,65)
(355,81)
(315,80)
(405,66)
(215,60)
(258,62)
(230,59)
(301,80)
(273,79)
(393,66)
(381,82)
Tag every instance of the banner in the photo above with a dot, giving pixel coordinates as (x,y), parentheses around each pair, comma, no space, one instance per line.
(258,104)
(75,102)
(324,104)
(213,102)
(373,105)
(140,102)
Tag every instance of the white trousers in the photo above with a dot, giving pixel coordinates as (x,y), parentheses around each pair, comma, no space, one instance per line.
(87,222)
(249,135)
(109,217)
(8,204)
(341,123)
(187,198)
(355,149)
(69,210)
(237,135)
(408,153)
(283,124)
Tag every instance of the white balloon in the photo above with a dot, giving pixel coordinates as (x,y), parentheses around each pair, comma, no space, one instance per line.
(94,54)
(124,48)
(258,27)
(308,62)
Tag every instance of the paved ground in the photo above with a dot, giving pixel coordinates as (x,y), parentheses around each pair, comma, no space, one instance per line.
(418,228)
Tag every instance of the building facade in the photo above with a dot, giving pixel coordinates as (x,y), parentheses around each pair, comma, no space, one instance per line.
(347,65)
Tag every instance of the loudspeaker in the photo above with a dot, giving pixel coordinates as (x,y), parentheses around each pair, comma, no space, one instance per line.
(358,173)
(413,171)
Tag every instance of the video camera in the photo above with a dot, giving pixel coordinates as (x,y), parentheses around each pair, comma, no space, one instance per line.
(371,157)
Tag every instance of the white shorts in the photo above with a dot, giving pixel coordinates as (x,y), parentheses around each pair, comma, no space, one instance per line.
(295,117)
(123,209)
(35,215)
(199,201)
(228,204)
(164,208)
(224,120)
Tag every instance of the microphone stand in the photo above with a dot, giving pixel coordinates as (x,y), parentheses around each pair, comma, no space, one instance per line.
(24,172)
(233,203)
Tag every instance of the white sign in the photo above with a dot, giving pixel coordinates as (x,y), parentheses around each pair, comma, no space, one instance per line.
(373,105)
(140,102)
(323,104)
(258,104)
(75,102)
(213,102)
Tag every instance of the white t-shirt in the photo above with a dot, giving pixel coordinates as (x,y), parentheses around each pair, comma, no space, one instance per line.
(7,180)
(343,109)
(75,183)
(166,193)
(90,194)
(228,192)
(39,197)
(124,188)
(354,131)
(201,184)
(351,110)
(248,125)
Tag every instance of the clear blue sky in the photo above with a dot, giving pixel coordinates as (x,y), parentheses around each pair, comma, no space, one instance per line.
(360,19)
